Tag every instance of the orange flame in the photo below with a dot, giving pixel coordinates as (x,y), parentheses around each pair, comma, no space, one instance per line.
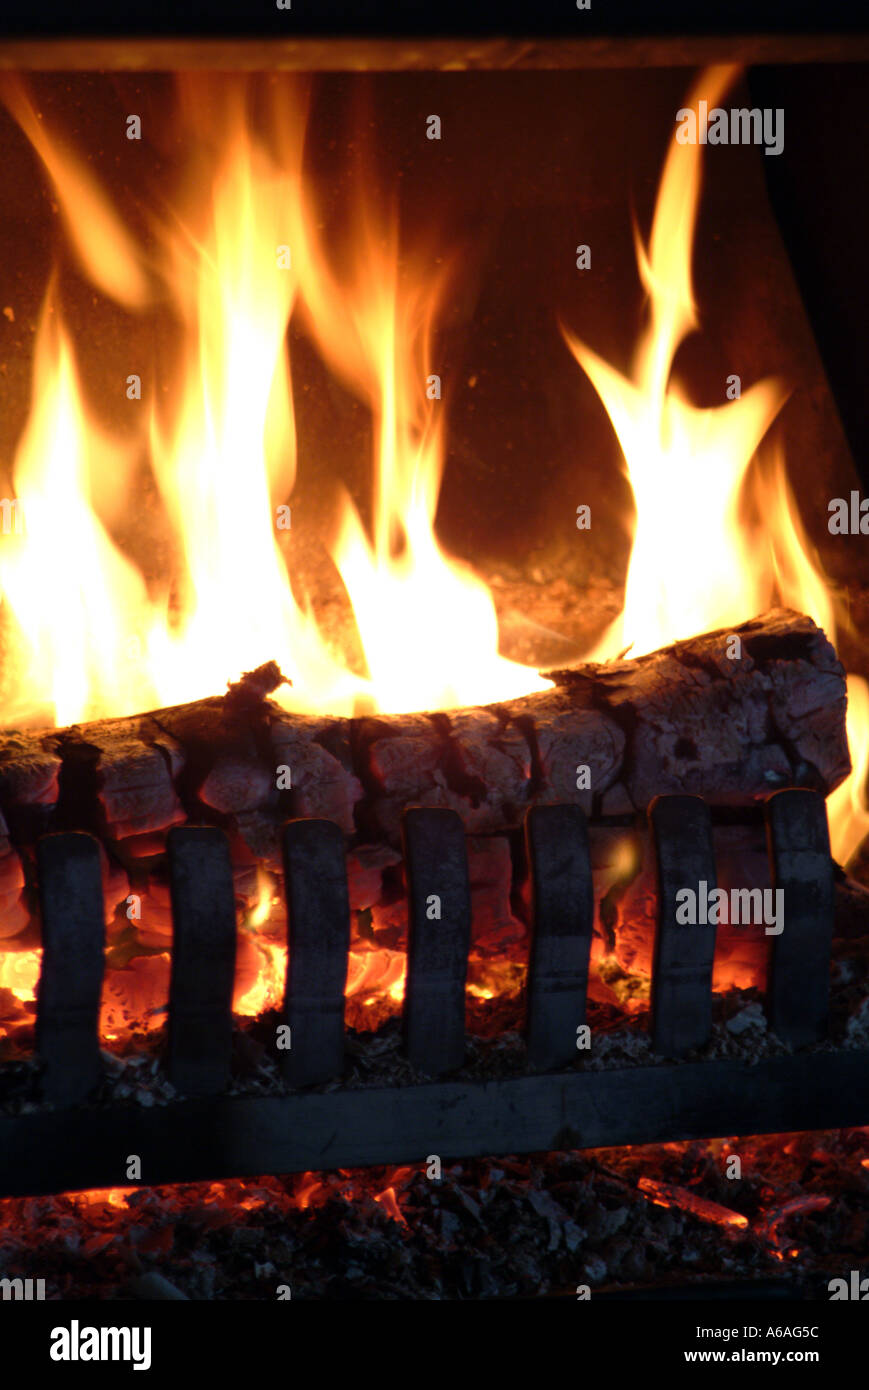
(223,455)
(688,469)
(265,897)
(686,466)
(847,806)
(19,973)
(375,326)
(236,267)
(104,249)
(70,635)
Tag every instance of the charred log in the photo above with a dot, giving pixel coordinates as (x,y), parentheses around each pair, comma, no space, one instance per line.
(730,716)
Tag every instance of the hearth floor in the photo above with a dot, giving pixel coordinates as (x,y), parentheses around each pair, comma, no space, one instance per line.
(504,1228)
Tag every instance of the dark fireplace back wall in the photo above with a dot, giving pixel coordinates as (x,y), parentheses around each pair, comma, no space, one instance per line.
(530,165)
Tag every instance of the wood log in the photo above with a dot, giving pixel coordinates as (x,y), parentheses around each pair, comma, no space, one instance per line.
(698,717)
(686,719)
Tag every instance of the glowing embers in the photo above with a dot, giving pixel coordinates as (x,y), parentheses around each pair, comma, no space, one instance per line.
(776,1224)
(492,996)
(19,976)
(481,1228)
(135,991)
(666,1195)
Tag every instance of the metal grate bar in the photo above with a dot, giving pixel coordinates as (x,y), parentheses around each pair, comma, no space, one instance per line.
(562,920)
(798,993)
(73,963)
(203,959)
(682,968)
(438,938)
(318,911)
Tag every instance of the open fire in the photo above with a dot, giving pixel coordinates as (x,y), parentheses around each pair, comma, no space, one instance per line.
(91,632)
(261,270)
(236,265)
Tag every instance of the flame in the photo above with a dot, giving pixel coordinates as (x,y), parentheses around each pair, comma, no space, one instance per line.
(371,973)
(847,806)
(68,636)
(94,636)
(230,436)
(309,1184)
(107,640)
(19,973)
(379,970)
(267,991)
(689,470)
(374,325)
(104,249)
(802,584)
(265,898)
(686,465)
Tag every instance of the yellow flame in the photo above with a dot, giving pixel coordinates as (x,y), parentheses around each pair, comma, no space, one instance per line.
(267,991)
(847,806)
(76,599)
(374,325)
(692,566)
(802,584)
(223,454)
(19,973)
(696,564)
(93,638)
(265,893)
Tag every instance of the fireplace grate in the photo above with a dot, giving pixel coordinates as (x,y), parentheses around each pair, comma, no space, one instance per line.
(319,1123)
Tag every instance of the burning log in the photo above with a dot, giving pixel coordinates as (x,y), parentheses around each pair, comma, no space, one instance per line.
(692,718)
(730,716)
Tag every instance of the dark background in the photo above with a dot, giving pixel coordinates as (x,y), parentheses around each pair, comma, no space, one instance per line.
(315,17)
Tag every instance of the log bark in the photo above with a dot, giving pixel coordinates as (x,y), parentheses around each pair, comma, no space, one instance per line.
(691,718)
(685,719)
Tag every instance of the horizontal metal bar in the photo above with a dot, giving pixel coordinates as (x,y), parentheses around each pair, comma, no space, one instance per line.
(233,1136)
(294,54)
